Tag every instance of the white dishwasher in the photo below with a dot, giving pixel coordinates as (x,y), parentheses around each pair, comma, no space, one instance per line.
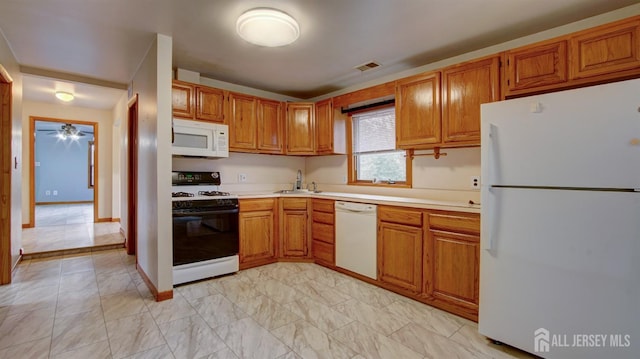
(356,238)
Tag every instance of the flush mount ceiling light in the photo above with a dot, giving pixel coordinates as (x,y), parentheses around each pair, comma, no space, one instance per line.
(267,27)
(64,96)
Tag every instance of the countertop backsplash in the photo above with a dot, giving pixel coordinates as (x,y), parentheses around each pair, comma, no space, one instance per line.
(444,179)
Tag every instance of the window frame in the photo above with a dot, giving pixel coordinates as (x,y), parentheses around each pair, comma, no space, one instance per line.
(352,176)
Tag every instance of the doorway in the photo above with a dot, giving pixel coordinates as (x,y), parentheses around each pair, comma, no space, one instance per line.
(6,167)
(132,177)
(64,166)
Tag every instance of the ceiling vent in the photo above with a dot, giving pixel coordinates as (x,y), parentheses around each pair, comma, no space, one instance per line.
(367,66)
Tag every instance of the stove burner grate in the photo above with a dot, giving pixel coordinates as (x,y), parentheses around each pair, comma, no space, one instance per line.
(181,194)
(213,193)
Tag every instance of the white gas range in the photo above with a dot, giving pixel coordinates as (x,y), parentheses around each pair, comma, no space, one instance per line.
(205,227)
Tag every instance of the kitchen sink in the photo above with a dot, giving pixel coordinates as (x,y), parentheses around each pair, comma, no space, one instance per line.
(291,191)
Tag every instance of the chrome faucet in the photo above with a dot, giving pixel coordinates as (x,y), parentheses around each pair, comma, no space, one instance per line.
(299,180)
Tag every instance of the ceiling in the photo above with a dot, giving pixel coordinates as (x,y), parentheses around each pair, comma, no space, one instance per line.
(107,39)
(43,89)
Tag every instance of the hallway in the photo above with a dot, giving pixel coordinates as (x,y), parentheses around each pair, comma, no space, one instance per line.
(67,227)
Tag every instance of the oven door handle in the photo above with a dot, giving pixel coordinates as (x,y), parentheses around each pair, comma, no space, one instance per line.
(204,213)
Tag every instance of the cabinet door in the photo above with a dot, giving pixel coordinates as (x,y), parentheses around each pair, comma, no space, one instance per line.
(605,50)
(452,268)
(182,100)
(242,122)
(464,88)
(418,120)
(209,104)
(400,256)
(294,233)
(535,67)
(270,126)
(300,128)
(256,236)
(324,127)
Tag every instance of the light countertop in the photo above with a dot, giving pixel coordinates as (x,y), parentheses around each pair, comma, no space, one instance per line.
(372,199)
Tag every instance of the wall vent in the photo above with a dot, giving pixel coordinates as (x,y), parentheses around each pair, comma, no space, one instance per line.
(367,66)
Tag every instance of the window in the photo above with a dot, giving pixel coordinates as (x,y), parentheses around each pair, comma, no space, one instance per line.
(374,158)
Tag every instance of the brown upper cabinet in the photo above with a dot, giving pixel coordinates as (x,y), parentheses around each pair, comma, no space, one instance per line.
(418,117)
(464,88)
(601,54)
(255,124)
(609,50)
(539,66)
(182,100)
(330,129)
(196,102)
(242,122)
(300,127)
(270,127)
(209,104)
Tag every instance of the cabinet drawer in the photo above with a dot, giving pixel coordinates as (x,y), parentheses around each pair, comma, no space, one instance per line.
(323,252)
(249,205)
(455,222)
(323,217)
(400,215)
(323,232)
(323,205)
(294,203)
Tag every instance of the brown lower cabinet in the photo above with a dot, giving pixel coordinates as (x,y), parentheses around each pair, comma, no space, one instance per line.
(294,221)
(431,256)
(257,231)
(452,263)
(323,232)
(400,248)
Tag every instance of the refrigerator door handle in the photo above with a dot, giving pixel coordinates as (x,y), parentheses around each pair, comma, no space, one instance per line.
(487,243)
(492,165)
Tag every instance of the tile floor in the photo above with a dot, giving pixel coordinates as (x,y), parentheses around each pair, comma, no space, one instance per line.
(63,227)
(61,214)
(97,306)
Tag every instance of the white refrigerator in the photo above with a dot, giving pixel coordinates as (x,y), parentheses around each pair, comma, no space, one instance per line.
(560,222)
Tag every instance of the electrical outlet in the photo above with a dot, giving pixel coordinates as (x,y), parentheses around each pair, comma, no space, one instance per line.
(47,193)
(475,182)
(55,192)
(242,177)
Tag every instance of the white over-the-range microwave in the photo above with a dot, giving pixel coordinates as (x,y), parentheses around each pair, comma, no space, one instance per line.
(200,139)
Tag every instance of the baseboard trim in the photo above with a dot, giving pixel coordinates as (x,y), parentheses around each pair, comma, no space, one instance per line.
(115,220)
(27,225)
(63,202)
(69,251)
(105,219)
(159,296)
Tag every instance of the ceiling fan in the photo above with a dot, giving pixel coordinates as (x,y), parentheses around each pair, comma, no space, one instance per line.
(67,131)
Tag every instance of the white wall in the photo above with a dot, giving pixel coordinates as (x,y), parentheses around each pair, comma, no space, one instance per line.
(103,118)
(120,112)
(152,82)
(8,61)
(263,172)
(445,179)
